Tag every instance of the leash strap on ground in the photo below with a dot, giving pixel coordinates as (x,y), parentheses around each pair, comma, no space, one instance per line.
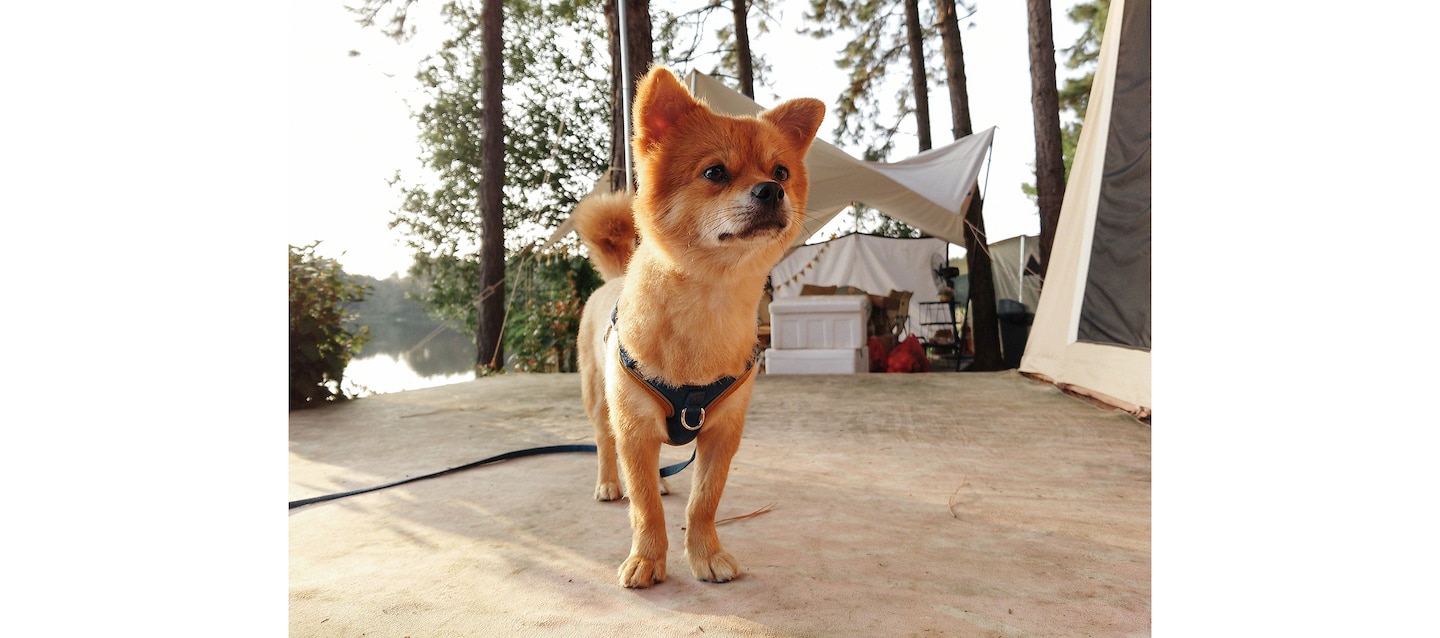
(666,471)
(671,470)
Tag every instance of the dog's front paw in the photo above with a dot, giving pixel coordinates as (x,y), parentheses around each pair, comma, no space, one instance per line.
(664,486)
(719,567)
(640,572)
(608,491)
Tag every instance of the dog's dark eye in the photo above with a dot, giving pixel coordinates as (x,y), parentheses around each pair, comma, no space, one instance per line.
(716,173)
(781,173)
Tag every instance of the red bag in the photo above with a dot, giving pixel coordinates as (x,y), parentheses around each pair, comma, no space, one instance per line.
(909,356)
(878,355)
(901,361)
(922,362)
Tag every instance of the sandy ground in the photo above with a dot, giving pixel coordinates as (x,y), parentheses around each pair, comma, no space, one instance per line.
(959,504)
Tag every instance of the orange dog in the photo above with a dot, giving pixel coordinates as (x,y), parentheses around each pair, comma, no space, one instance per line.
(719,200)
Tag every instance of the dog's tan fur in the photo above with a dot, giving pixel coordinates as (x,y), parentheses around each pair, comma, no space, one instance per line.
(687,296)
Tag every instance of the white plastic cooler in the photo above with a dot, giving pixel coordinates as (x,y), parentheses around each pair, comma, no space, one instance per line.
(818,334)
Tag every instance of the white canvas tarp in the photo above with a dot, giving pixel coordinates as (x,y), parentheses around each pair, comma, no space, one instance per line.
(929,191)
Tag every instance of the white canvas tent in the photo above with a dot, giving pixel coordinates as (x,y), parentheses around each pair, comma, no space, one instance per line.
(879,265)
(1015,263)
(929,191)
(872,263)
(1091,332)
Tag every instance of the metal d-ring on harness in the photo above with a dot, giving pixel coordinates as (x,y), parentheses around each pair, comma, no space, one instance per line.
(687,425)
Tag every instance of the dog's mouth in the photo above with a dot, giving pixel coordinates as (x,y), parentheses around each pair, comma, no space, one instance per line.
(757,227)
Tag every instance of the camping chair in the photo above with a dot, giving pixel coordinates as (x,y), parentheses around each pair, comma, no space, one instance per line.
(945,340)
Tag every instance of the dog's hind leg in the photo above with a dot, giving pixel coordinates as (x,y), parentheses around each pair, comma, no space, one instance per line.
(716,448)
(607,481)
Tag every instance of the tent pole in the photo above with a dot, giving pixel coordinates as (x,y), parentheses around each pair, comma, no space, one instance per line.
(625,90)
(1020,273)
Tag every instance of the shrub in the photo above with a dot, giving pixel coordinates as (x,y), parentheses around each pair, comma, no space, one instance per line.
(547,295)
(320,346)
(544,297)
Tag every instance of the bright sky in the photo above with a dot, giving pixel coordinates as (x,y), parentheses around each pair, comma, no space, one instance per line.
(351,124)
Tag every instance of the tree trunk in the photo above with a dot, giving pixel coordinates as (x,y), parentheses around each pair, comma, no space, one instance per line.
(918,79)
(984,315)
(1045,102)
(954,51)
(490,299)
(641,55)
(743,66)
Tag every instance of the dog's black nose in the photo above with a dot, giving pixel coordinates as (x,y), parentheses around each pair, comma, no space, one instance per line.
(769,192)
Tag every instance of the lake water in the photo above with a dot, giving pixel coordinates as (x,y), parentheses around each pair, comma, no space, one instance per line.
(382,374)
(402,357)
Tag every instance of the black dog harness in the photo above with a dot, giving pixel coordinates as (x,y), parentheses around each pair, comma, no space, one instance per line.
(684,405)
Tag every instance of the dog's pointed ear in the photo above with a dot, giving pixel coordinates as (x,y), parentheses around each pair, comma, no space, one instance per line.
(798,119)
(660,102)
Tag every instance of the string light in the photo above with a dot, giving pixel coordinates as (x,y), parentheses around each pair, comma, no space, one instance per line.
(809,266)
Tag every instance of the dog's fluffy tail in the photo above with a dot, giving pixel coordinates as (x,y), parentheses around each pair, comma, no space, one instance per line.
(606,224)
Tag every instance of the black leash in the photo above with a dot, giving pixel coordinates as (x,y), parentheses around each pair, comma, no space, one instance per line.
(669,470)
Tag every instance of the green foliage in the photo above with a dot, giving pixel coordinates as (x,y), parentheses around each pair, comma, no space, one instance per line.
(1075,95)
(449,286)
(391,300)
(877,41)
(548,293)
(320,346)
(556,114)
(680,36)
